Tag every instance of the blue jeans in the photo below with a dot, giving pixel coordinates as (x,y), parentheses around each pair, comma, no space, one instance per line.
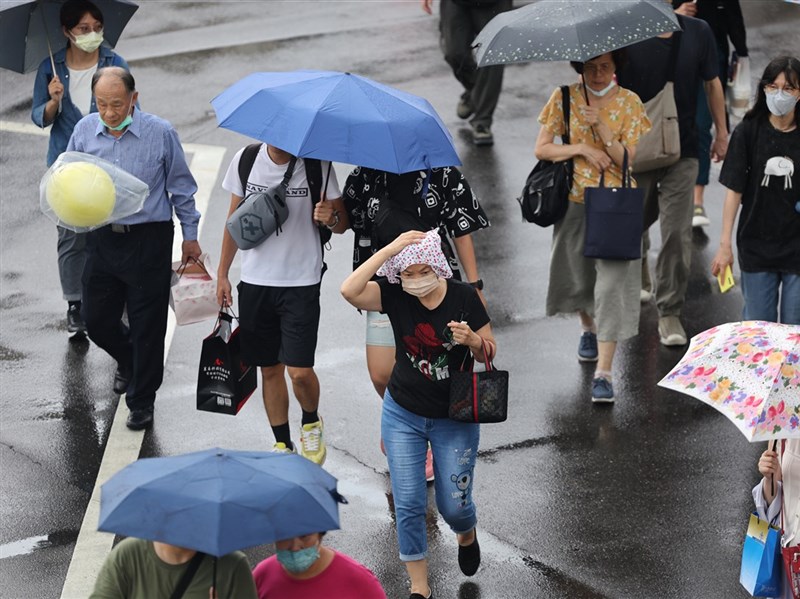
(455,448)
(760,291)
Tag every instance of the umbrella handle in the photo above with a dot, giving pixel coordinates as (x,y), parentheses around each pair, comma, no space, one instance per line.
(49,48)
(772,478)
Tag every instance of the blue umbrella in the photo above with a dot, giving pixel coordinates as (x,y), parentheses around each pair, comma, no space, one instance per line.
(29,28)
(219,500)
(338,117)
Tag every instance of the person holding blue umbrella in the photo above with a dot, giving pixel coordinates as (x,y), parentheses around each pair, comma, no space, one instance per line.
(280,285)
(140,569)
(62,96)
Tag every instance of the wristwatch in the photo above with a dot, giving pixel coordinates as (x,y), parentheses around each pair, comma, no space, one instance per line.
(477,284)
(335,220)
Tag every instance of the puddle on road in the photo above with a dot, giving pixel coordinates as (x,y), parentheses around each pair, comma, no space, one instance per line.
(31,544)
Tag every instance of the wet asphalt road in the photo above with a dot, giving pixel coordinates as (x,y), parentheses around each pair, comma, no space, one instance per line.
(648,498)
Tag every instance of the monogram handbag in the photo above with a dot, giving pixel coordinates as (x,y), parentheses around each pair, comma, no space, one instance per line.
(479,396)
(614,219)
(544,198)
(260,214)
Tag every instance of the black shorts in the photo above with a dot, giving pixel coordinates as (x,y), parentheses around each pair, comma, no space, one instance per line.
(278,324)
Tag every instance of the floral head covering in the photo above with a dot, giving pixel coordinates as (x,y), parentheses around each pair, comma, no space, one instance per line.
(428,251)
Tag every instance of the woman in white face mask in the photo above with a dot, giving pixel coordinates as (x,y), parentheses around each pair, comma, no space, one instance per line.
(605,119)
(762,177)
(439,324)
(61,99)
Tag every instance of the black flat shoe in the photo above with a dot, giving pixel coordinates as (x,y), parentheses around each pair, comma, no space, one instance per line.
(469,557)
(121,380)
(418,596)
(140,419)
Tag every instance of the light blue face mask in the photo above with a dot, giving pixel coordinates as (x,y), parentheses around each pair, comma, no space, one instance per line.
(296,562)
(125,122)
(603,91)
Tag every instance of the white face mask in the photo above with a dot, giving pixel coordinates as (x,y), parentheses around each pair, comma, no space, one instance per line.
(780,103)
(603,91)
(89,42)
(420,286)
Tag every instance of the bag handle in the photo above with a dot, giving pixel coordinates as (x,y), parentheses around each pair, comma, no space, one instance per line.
(188,575)
(182,268)
(486,356)
(626,173)
(565,111)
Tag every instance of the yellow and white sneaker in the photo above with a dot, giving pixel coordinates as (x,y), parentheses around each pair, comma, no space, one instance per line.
(281,447)
(312,444)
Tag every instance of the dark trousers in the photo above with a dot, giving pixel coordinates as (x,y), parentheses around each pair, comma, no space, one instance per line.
(132,270)
(459,25)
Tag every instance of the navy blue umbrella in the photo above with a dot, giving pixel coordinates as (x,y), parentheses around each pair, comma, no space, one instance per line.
(338,117)
(219,500)
(30,28)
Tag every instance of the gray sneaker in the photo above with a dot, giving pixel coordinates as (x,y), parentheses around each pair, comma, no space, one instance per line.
(482,135)
(670,330)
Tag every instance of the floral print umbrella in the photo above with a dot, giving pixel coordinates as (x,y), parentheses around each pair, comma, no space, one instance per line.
(570,29)
(749,371)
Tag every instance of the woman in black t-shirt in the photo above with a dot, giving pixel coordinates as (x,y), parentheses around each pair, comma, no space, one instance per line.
(760,174)
(437,323)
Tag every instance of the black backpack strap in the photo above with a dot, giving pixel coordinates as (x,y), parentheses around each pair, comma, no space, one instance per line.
(565,109)
(246,162)
(314,177)
(188,574)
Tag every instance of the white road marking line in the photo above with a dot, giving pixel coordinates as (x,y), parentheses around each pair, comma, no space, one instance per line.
(123,445)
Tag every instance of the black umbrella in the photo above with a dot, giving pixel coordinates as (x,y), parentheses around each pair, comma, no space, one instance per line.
(30,29)
(570,30)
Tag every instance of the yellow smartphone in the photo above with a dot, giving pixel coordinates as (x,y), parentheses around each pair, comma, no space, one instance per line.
(725,279)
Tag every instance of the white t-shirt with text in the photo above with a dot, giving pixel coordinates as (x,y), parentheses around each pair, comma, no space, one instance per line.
(291,257)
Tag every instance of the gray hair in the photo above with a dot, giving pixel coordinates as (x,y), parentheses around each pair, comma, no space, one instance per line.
(122,74)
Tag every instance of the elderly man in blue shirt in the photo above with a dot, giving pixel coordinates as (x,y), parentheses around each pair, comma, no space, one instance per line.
(129,261)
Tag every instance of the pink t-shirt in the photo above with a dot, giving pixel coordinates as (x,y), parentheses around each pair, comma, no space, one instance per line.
(344,578)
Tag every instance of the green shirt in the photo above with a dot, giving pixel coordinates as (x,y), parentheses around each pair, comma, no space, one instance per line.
(134,571)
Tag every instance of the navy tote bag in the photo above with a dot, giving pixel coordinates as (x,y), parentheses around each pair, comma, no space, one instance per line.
(614,219)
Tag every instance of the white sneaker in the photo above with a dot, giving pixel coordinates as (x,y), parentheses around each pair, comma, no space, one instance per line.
(645,296)
(699,217)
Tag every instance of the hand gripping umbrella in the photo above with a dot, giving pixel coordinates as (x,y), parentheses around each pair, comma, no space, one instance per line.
(338,117)
(31,28)
(570,30)
(219,500)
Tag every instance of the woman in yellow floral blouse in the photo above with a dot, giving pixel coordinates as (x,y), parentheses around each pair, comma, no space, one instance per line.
(604,293)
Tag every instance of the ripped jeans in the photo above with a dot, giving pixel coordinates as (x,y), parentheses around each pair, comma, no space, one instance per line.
(455,447)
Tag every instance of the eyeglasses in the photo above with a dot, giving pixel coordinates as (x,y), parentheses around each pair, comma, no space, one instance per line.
(771,88)
(603,68)
(84,29)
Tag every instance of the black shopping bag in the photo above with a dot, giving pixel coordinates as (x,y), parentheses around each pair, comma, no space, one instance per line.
(224,382)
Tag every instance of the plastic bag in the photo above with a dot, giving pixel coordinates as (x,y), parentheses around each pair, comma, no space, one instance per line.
(82,192)
(740,84)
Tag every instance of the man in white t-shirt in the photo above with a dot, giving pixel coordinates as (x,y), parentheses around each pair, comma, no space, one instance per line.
(279,291)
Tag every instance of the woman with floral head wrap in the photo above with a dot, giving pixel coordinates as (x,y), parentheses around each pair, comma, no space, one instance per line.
(439,323)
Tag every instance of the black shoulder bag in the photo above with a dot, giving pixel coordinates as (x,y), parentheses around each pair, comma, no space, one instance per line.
(545,195)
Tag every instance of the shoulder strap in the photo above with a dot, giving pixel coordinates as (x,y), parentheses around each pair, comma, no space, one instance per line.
(188,574)
(246,162)
(314,176)
(565,109)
